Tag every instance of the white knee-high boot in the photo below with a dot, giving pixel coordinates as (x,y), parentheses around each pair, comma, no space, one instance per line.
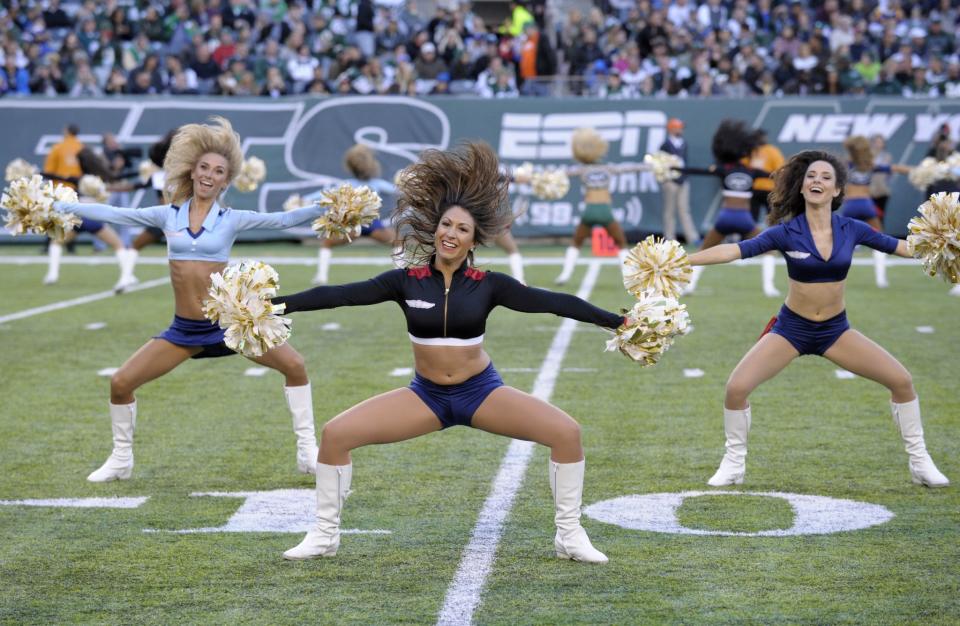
(694,279)
(569,263)
(922,470)
(323,266)
(119,465)
(54,254)
(300,401)
(736,425)
(127,259)
(571,541)
(333,487)
(769,267)
(516,266)
(880,269)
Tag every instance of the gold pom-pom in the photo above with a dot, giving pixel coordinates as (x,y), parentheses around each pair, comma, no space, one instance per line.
(401,177)
(252,173)
(29,205)
(657,266)
(652,324)
(550,184)
(240,304)
(929,171)
(295,201)
(348,210)
(146,170)
(523,173)
(93,187)
(935,236)
(663,165)
(18,168)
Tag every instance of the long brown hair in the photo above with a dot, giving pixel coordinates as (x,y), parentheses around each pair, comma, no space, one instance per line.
(785,200)
(860,151)
(191,142)
(468,177)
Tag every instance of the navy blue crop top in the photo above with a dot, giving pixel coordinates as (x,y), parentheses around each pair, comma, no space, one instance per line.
(804,263)
(736,179)
(856,177)
(454,317)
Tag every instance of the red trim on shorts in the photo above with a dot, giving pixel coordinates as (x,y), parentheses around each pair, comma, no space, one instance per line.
(773,320)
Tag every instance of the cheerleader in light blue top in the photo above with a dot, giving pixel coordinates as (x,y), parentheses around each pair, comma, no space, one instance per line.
(202,162)
(817,245)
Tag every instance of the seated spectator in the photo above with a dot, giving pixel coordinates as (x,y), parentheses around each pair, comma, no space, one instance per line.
(274,86)
(428,65)
(14,80)
(47,81)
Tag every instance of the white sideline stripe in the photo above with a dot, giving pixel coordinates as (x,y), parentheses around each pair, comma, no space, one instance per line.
(845,375)
(463,595)
(255,371)
(81,503)
(93,297)
(386,260)
(925,330)
(694,372)
(195,531)
(330,326)
(95,325)
(107,371)
(401,371)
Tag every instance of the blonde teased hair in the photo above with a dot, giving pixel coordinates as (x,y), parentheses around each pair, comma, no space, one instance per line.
(361,162)
(588,145)
(191,142)
(860,151)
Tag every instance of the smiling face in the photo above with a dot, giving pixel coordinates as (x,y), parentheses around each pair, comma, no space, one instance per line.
(819,184)
(209,176)
(455,235)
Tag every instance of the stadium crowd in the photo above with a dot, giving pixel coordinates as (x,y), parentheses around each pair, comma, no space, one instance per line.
(617,49)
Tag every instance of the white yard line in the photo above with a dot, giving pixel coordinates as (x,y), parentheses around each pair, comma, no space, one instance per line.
(93,297)
(463,595)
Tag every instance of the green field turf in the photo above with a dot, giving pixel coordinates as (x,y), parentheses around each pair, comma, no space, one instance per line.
(207,427)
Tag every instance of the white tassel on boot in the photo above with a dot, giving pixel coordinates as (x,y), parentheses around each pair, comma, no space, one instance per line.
(694,279)
(569,263)
(323,266)
(769,268)
(300,402)
(571,542)
(127,258)
(516,266)
(922,470)
(955,290)
(880,269)
(119,465)
(333,487)
(733,467)
(54,254)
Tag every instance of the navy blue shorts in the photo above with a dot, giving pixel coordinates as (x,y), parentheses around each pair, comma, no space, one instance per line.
(88,225)
(197,333)
(731,221)
(862,209)
(454,405)
(807,336)
(366,231)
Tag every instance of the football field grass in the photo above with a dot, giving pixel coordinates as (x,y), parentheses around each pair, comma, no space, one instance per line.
(214,427)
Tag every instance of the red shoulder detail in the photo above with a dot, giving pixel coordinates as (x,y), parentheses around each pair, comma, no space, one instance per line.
(419,272)
(474,273)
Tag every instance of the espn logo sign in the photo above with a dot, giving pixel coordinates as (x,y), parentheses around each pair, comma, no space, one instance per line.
(541,137)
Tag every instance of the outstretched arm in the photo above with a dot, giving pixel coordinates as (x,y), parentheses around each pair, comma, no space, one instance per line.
(247,220)
(724,253)
(151,216)
(381,288)
(513,294)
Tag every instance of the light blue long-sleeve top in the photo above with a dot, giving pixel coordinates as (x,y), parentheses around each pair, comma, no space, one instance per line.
(216,236)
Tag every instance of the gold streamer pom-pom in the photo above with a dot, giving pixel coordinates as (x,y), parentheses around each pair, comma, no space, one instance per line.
(252,173)
(146,170)
(653,322)
(294,202)
(240,304)
(935,236)
(523,173)
(657,266)
(929,171)
(29,205)
(663,165)
(93,187)
(348,210)
(550,184)
(18,168)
